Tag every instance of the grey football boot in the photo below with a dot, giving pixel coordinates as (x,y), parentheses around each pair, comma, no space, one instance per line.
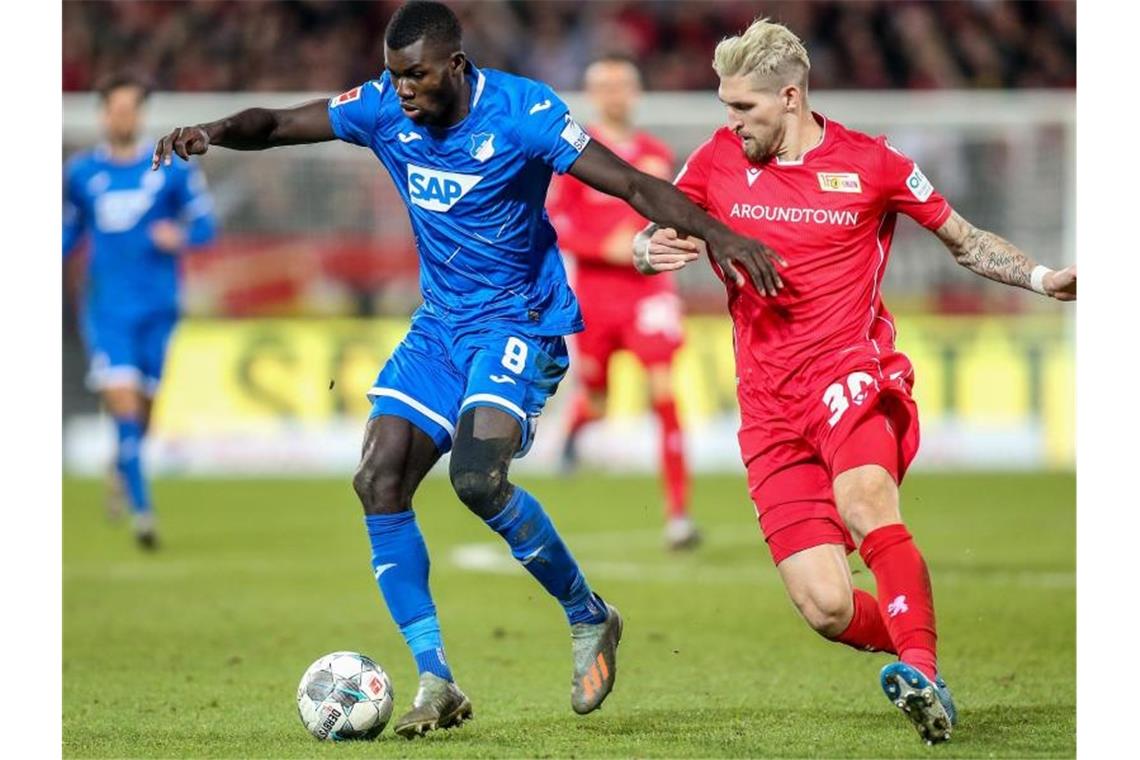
(595,661)
(438,704)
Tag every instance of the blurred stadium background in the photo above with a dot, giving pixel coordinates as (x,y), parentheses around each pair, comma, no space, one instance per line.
(308,289)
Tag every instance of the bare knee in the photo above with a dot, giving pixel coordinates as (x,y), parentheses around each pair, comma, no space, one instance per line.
(483,490)
(596,401)
(380,489)
(826,608)
(123,401)
(867,498)
(485,441)
(818,581)
(661,383)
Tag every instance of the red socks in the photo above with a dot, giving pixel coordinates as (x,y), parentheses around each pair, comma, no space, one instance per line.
(673,468)
(905,599)
(867,631)
(673,459)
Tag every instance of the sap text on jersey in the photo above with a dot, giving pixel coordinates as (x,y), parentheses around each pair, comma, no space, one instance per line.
(763,213)
(437,190)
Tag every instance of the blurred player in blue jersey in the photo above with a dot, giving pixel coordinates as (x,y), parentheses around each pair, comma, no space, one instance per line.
(137,222)
(471,152)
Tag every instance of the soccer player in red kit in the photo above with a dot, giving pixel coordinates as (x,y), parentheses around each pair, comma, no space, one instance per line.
(621,308)
(828,424)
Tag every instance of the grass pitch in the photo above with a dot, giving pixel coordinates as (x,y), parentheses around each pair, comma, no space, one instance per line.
(197,650)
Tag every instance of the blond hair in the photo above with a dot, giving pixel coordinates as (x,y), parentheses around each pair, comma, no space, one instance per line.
(764,50)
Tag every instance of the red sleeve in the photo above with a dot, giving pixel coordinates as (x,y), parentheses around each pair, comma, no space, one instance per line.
(693,178)
(906,189)
(652,148)
(566,211)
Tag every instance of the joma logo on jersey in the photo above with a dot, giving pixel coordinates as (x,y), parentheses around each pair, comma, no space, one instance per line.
(436,190)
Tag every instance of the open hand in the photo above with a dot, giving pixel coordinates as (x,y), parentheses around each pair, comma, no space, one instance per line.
(734,252)
(666,251)
(167,235)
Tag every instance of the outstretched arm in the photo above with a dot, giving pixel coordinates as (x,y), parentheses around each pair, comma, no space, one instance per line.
(998,259)
(251,129)
(659,201)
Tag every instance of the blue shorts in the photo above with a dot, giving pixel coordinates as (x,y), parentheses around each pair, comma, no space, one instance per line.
(437,373)
(126,351)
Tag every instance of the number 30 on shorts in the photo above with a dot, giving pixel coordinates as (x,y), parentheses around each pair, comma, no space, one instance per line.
(514,355)
(839,398)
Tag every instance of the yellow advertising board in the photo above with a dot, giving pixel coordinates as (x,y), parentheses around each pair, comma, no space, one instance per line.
(984,372)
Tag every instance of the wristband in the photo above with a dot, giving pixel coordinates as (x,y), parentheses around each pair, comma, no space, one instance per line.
(641,253)
(1037,278)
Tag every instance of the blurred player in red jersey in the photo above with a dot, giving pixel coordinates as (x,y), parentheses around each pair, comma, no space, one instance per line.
(828,424)
(621,308)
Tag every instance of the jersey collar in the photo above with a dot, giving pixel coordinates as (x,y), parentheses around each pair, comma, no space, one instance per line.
(477,90)
(822,121)
(478,81)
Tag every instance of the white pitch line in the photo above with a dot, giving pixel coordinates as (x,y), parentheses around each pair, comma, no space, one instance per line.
(494,558)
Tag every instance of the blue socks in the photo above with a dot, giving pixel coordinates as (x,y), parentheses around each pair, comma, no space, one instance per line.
(400,564)
(536,544)
(128,462)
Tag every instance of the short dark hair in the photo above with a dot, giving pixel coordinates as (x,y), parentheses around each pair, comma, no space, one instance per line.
(118,79)
(617,57)
(424,19)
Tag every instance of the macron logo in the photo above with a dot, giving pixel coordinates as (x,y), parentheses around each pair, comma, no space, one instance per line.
(540,106)
(407,137)
(436,190)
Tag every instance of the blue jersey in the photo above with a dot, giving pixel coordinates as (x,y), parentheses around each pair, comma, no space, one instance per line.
(115,203)
(475,194)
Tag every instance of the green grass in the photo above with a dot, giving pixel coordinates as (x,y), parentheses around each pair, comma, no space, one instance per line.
(196,651)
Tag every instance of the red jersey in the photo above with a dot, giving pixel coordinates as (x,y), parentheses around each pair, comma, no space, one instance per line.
(588,222)
(831,215)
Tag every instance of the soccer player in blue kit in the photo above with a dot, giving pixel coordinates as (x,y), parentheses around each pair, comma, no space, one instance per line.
(138,222)
(471,152)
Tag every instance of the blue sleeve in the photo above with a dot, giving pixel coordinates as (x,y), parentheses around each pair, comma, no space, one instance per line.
(547,131)
(196,207)
(355,113)
(74,216)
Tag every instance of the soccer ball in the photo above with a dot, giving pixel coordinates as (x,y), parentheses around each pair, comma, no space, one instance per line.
(345,695)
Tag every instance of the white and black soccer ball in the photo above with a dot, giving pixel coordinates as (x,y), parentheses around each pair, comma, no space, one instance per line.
(345,695)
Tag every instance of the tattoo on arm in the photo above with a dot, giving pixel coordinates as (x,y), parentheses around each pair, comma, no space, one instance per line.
(985,253)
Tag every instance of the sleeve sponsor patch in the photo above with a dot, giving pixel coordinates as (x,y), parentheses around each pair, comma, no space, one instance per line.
(575,135)
(345,97)
(919,185)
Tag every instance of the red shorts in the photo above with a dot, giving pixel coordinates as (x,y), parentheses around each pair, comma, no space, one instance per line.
(648,326)
(865,416)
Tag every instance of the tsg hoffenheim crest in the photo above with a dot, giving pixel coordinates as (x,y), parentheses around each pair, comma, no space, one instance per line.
(482,146)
